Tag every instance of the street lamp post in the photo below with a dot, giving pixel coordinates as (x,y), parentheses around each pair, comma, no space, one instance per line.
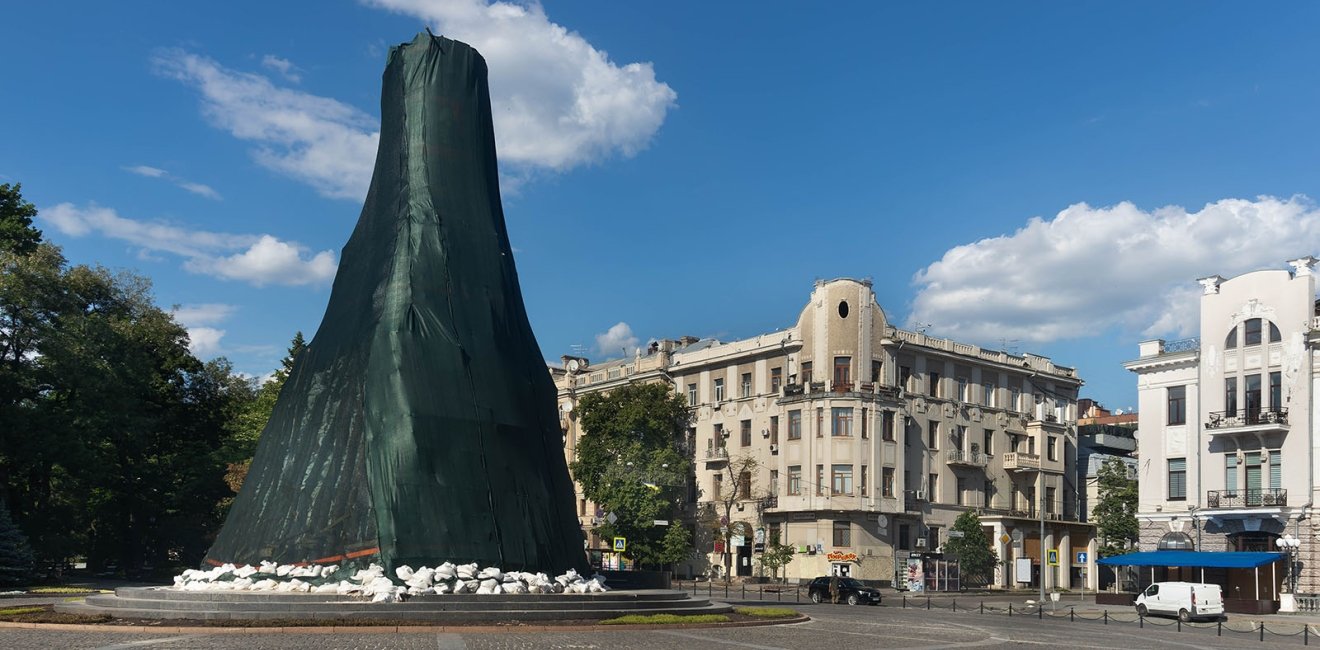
(1289,545)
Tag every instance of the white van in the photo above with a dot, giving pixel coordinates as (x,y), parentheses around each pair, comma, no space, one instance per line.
(1186,600)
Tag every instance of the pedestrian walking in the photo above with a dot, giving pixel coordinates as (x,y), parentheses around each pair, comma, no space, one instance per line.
(834,589)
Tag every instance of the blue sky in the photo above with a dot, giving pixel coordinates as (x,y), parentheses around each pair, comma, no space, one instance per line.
(1056,175)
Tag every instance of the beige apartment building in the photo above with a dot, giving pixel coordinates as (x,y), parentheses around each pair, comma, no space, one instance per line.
(1227,445)
(863,443)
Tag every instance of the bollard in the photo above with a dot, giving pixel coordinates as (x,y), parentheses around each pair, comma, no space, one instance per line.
(983,607)
(1180,625)
(743,590)
(779,596)
(1219,628)
(927,603)
(797,594)
(1306,634)
(904,601)
(1262,631)
(1072,614)
(1040,611)
(1010,609)
(1106,617)
(726,588)
(1141,621)
(955,604)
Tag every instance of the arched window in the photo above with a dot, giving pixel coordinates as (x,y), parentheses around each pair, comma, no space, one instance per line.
(1230,342)
(1251,332)
(1275,336)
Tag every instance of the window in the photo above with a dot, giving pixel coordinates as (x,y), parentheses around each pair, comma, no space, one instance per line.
(1177,404)
(692,394)
(842,366)
(1252,395)
(774,536)
(988,394)
(905,378)
(1276,470)
(875,371)
(933,435)
(964,390)
(746,384)
(1230,472)
(887,482)
(863,480)
(717,486)
(842,417)
(1251,332)
(933,488)
(776,379)
(745,485)
(1275,336)
(774,481)
(795,424)
(989,447)
(806,372)
(865,416)
(1230,395)
(905,537)
(582,507)
(1230,341)
(820,421)
(719,435)
(933,384)
(932,538)
(1015,399)
(745,429)
(841,479)
(842,533)
(820,480)
(1276,392)
(774,429)
(719,390)
(1049,501)
(1014,442)
(960,484)
(887,422)
(1177,479)
(1031,445)
(794,480)
(1052,448)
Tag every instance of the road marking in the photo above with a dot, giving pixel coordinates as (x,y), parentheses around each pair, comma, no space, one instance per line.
(139,644)
(450,642)
(711,639)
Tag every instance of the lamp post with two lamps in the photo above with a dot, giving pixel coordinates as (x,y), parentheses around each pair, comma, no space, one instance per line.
(1289,545)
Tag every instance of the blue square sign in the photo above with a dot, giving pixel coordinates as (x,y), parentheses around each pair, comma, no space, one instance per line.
(1081,557)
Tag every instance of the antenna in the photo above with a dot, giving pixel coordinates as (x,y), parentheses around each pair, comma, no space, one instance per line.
(578,349)
(1009,345)
(921,327)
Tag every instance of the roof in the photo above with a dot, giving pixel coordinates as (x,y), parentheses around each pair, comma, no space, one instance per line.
(1207,559)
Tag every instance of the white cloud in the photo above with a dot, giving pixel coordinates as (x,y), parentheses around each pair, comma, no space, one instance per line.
(322,142)
(285,67)
(203,340)
(618,338)
(156,172)
(1090,269)
(558,102)
(256,259)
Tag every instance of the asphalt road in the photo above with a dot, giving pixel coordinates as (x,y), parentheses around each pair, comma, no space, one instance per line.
(832,627)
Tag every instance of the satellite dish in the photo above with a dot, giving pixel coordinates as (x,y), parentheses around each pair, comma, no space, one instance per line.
(574,365)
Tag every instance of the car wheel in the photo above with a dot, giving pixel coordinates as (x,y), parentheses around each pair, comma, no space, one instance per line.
(815,597)
(853,599)
(1184,615)
(1141,610)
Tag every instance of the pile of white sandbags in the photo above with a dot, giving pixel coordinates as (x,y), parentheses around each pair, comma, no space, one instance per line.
(371,582)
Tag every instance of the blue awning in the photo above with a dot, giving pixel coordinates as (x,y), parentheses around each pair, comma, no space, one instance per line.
(1206,559)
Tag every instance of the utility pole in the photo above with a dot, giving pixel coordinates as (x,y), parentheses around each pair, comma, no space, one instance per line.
(1040,476)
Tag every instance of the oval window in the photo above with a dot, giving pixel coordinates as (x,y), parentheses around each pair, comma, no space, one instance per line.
(843,309)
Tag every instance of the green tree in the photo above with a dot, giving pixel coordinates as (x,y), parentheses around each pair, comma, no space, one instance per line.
(976,559)
(776,556)
(630,463)
(17,235)
(1115,512)
(736,484)
(15,554)
(250,421)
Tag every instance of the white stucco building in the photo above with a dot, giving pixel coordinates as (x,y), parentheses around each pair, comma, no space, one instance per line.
(1227,452)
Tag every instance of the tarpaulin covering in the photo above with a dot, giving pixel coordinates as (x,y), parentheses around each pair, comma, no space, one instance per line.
(1206,559)
(419,425)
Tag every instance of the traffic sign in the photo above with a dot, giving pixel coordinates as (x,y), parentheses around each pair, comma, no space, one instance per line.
(1004,538)
(1051,557)
(956,534)
(660,522)
(1081,557)
(620,544)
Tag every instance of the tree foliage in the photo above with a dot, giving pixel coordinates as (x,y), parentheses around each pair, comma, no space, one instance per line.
(776,556)
(109,426)
(15,553)
(977,559)
(250,421)
(630,463)
(1115,511)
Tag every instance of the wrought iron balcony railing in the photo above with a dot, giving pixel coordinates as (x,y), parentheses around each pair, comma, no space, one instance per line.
(1249,498)
(969,458)
(1247,418)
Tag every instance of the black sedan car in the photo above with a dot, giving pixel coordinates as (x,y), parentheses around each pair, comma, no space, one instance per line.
(850,591)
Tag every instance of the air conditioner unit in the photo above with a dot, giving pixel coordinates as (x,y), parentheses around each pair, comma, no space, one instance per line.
(921,495)
(774,449)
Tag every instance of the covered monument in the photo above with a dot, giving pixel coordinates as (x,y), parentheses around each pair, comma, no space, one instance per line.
(419,426)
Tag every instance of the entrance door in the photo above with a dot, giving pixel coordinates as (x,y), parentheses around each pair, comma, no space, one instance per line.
(744,567)
(841,569)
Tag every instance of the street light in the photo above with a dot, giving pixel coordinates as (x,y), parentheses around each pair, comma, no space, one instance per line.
(1289,545)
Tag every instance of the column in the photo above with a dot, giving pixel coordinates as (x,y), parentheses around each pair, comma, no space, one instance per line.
(1092,569)
(1065,559)
(1003,569)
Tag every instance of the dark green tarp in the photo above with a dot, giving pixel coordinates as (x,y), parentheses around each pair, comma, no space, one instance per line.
(419,425)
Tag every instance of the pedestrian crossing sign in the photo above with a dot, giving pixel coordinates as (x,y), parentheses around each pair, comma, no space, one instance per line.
(1052,557)
(620,544)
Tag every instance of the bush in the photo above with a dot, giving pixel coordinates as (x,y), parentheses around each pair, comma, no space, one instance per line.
(766,612)
(666,619)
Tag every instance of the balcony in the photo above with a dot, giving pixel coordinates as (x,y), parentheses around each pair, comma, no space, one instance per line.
(716,455)
(1254,420)
(1017,461)
(1250,498)
(960,458)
